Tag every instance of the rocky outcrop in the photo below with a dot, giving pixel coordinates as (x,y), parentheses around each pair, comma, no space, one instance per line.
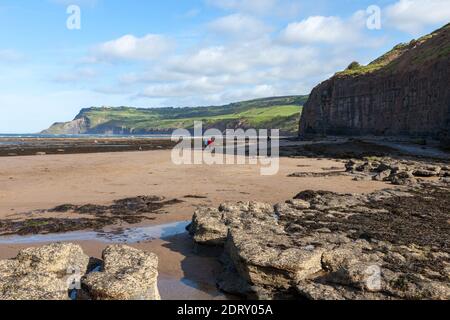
(61,271)
(127,274)
(398,172)
(42,273)
(210,226)
(405,92)
(77,126)
(323,245)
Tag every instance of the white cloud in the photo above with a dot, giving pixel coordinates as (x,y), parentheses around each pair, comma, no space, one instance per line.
(320,29)
(252,92)
(207,67)
(257,65)
(414,15)
(202,93)
(238,58)
(237,71)
(193,87)
(129,47)
(207,61)
(240,26)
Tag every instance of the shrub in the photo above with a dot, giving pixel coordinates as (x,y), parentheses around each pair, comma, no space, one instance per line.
(354,66)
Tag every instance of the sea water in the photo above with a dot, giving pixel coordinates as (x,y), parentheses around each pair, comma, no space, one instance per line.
(128,235)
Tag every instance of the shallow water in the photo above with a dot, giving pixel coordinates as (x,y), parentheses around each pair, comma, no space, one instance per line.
(129,235)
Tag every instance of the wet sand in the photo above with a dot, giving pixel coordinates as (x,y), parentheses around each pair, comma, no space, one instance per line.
(42,182)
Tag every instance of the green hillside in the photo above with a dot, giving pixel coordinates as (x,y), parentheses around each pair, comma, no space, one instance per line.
(272,113)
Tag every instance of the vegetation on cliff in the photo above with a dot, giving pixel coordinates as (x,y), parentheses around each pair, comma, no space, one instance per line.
(390,59)
(272,113)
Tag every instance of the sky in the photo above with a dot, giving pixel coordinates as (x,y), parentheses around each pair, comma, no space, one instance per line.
(181,53)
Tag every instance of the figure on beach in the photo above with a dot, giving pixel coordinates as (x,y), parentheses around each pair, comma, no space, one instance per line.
(208,143)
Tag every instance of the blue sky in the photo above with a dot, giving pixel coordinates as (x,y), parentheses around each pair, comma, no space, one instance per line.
(149,53)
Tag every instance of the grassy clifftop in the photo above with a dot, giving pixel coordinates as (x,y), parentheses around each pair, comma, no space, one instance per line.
(421,52)
(272,113)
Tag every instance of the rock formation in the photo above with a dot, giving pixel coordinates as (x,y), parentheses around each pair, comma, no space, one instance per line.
(404,92)
(323,245)
(41,273)
(398,172)
(51,272)
(127,274)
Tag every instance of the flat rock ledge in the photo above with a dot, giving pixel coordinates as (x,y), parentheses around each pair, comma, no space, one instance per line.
(61,271)
(391,244)
(397,172)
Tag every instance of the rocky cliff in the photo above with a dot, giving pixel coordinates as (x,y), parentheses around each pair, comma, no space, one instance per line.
(404,92)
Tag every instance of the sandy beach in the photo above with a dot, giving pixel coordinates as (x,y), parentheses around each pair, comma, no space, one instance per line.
(31,184)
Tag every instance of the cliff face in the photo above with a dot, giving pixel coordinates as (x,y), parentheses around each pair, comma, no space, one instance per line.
(404,92)
(77,126)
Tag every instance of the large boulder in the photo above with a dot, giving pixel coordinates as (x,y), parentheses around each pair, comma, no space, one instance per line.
(44,273)
(50,272)
(57,258)
(34,286)
(128,274)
